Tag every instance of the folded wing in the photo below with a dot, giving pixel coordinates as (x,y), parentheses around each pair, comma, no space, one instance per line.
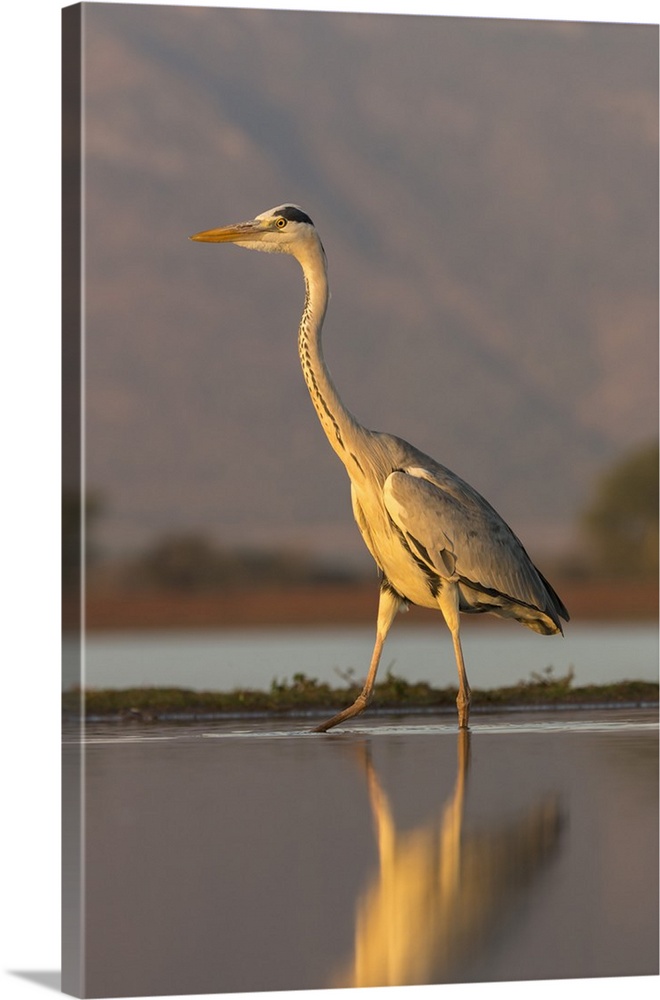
(457,534)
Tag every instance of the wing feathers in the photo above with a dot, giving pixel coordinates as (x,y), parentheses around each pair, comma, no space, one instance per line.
(459,536)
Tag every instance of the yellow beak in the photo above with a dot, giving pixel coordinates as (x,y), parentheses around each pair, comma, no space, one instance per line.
(229,234)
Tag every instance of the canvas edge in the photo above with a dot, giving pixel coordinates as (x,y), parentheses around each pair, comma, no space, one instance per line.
(73,978)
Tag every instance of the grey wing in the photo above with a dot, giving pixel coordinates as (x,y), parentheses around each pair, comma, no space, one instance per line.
(458,535)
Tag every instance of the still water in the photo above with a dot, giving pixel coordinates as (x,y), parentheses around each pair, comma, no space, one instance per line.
(496,655)
(225,858)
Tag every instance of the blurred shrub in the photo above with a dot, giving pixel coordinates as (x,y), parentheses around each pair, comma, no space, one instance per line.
(77,510)
(621,523)
(192,562)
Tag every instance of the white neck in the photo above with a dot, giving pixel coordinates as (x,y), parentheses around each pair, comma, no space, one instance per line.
(339,425)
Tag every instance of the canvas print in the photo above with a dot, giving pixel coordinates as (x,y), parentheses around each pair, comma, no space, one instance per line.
(360,537)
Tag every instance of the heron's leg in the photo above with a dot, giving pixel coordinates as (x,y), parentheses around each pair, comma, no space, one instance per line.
(448,601)
(388,606)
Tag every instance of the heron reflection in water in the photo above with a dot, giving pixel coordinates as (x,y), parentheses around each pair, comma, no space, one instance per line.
(438,892)
(436,541)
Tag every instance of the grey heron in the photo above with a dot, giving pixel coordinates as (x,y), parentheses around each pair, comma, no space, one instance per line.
(436,541)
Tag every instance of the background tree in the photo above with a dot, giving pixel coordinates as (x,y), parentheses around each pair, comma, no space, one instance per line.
(74,509)
(622,522)
(193,562)
(183,562)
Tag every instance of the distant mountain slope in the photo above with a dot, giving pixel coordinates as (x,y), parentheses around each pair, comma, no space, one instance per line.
(487,195)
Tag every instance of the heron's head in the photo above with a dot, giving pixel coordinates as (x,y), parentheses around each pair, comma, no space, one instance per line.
(285,229)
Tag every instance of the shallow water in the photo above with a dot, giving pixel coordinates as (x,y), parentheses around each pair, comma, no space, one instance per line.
(496,656)
(244,857)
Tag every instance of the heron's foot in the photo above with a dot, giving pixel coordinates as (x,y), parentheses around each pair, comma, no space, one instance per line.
(356,708)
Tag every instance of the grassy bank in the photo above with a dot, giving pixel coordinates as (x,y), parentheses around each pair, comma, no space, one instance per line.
(303,695)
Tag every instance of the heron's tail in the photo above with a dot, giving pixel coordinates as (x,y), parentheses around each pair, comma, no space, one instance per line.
(556,602)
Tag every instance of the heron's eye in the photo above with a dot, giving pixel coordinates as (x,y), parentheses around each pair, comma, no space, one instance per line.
(281,223)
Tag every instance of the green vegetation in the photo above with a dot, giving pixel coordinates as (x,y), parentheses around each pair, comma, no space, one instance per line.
(304,694)
(75,512)
(622,522)
(189,562)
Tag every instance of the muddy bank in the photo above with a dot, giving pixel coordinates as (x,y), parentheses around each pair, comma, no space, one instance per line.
(336,604)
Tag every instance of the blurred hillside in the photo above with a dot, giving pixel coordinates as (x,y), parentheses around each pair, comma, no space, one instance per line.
(487,195)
